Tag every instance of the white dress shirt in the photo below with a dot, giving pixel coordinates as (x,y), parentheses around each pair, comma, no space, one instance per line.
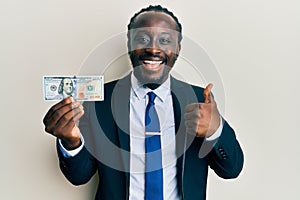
(164,108)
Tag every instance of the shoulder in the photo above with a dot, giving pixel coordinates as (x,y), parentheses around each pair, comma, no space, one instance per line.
(180,83)
(110,85)
(189,89)
(122,82)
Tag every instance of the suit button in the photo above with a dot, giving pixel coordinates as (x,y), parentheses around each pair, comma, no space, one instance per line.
(63,164)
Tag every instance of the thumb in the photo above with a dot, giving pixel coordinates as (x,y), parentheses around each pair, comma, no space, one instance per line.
(207,93)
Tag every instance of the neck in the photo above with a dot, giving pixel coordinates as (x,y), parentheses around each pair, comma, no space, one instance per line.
(152,86)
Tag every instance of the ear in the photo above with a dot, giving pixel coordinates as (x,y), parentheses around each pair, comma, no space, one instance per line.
(128,42)
(178,49)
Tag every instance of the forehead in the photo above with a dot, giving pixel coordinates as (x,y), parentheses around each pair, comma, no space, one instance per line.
(155,19)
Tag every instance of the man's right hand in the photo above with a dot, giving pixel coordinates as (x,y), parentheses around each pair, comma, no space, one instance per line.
(60,121)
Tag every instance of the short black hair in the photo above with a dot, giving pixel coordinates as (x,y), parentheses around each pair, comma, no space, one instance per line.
(157,8)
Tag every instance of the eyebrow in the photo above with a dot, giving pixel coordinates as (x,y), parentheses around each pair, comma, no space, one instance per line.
(146,32)
(166,33)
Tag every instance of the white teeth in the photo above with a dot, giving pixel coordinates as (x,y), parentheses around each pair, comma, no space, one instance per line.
(152,62)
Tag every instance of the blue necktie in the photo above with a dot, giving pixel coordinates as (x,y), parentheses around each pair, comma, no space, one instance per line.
(154,173)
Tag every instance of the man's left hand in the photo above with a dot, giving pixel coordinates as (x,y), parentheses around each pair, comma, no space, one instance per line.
(203,119)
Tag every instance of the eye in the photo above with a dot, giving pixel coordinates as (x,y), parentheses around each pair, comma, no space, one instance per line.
(164,41)
(142,39)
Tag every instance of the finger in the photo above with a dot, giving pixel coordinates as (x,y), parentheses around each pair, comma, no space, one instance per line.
(72,122)
(191,107)
(60,113)
(207,93)
(78,116)
(64,130)
(191,124)
(191,130)
(52,121)
(191,115)
(190,127)
(72,115)
(57,106)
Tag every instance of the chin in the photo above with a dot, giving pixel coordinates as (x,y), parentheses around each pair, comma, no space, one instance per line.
(148,77)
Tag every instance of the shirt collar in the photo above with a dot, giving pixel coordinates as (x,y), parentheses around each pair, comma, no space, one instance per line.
(141,91)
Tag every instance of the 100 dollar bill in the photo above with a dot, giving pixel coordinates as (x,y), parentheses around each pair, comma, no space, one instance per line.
(82,88)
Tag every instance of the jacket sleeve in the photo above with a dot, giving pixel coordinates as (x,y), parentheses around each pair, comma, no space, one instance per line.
(226,158)
(78,169)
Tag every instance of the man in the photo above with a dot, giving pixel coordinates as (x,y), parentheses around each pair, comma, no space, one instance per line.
(153,137)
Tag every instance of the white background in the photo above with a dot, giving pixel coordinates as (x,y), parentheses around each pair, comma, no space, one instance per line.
(254,44)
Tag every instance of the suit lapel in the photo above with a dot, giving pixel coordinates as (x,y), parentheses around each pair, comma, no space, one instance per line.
(182,95)
(176,89)
(121,108)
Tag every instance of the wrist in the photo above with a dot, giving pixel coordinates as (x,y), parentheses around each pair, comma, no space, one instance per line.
(215,127)
(71,145)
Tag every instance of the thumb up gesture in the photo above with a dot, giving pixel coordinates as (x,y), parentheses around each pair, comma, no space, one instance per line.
(203,119)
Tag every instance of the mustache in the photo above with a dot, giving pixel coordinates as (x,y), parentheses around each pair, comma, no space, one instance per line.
(153,57)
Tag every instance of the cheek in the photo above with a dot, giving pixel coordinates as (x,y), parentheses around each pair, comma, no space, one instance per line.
(171,51)
(171,56)
(136,53)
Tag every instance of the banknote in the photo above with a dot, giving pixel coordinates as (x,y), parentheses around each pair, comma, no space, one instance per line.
(82,88)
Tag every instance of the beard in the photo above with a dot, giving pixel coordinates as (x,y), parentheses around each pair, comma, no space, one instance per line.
(148,76)
(151,79)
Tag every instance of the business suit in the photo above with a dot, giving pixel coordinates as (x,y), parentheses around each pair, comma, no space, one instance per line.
(105,126)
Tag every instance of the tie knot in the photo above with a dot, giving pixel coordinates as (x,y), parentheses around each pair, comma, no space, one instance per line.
(152,96)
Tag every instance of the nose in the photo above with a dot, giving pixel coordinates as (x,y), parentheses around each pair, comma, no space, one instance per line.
(153,48)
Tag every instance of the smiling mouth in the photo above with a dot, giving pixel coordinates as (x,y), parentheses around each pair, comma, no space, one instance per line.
(153,62)
(152,65)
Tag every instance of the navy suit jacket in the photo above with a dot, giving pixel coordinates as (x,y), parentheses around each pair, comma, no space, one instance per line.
(105,128)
